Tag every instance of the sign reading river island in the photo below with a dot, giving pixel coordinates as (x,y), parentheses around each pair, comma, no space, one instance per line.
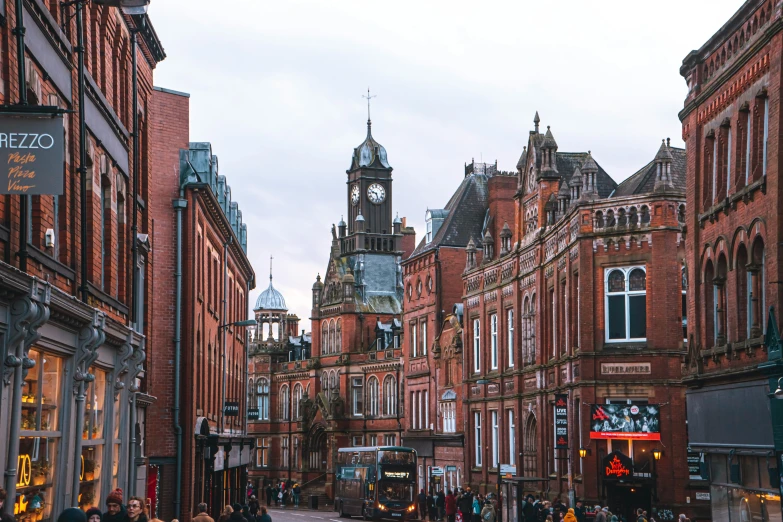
(32,154)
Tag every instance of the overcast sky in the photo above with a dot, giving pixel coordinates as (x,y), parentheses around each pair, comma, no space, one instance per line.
(277,86)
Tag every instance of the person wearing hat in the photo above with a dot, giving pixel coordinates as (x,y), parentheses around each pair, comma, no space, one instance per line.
(236,515)
(488,512)
(72,515)
(600,515)
(94,515)
(115,511)
(569,516)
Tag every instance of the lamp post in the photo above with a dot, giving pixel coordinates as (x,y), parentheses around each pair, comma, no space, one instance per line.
(656,453)
(499,514)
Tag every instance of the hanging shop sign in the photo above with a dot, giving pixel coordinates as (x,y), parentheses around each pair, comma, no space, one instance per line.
(561,421)
(32,154)
(617,466)
(252,414)
(625,421)
(231,409)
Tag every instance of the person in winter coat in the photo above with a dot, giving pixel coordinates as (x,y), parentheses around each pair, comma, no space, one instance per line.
(115,512)
(297,491)
(558,509)
(202,516)
(579,512)
(432,509)
(268,492)
(440,502)
(465,505)
(421,502)
(570,516)
(600,514)
(236,515)
(475,512)
(137,511)
(225,515)
(451,506)
(488,512)
(530,510)
(265,516)
(254,505)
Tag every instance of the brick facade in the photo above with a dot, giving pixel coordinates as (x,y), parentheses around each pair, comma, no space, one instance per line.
(731,125)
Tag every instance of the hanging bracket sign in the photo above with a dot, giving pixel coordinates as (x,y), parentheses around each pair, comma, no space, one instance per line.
(561,421)
(32,152)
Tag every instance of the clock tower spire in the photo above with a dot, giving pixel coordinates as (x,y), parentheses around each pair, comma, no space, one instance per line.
(369,187)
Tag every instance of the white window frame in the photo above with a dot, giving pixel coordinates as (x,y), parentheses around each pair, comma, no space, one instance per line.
(263,398)
(373,393)
(493,336)
(413,410)
(414,339)
(476,345)
(390,395)
(390,439)
(357,383)
(477,437)
(285,402)
(449,419)
(423,326)
(284,450)
(426,409)
(429,229)
(627,293)
(262,457)
(373,439)
(512,441)
(714,169)
(495,439)
(510,335)
(298,392)
(357,441)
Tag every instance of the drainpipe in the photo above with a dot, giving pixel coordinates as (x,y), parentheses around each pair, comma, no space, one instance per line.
(223,335)
(135,206)
(132,437)
(179,205)
(19,31)
(82,151)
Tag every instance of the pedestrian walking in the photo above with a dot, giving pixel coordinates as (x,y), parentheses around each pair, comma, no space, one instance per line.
(488,512)
(202,515)
(579,512)
(451,506)
(225,515)
(440,502)
(431,508)
(570,516)
(137,511)
(254,505)
(600,514)
(265,517)
(475,514)
(422,501)
(640,515)
(268,492)
(297,490)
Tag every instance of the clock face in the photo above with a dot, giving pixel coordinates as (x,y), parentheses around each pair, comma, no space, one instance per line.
(376,193)
(355,195)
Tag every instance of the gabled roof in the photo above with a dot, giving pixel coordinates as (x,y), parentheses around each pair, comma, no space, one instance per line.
(643,180)
(465,215)
(568,162)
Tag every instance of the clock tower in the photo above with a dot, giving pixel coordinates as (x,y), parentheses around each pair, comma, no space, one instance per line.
(369,190)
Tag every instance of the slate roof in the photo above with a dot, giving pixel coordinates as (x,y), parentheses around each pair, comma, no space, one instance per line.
(568,162)
(465,218)
(378,277)
(643,180)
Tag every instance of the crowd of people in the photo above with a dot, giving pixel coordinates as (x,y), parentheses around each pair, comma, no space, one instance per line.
(283,494)
(450,505)
(136,511)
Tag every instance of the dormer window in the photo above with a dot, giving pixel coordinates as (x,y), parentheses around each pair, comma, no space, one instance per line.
(429,231)
(434,220)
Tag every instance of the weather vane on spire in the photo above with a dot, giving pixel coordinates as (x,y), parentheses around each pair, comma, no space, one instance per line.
(368,98)
(270,268)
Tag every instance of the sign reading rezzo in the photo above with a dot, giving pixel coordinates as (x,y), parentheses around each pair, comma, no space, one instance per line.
(32,154)
(625,368)
(561,421)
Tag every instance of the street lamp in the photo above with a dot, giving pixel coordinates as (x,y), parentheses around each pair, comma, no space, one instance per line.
(129,7)
(779,391)
(584,452)
(657,453)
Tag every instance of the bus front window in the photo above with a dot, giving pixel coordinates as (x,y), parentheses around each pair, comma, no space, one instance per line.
(395,492)
(399,458)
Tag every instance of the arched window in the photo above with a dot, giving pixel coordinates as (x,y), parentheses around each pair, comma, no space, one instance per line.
(324,338)
(721,303)
(529,330)
(285,403)
(743,284)
(338,342)
(332,333)
(334,383)
(390,395)
(531,458)
(325,383)
(757,289)
(709,304)
(373,396)
(298,392)
(262,388)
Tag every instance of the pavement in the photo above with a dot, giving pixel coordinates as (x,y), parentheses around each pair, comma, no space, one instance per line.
(302,514)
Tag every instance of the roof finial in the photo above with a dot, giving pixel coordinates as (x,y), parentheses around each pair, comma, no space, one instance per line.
(270,269)
(368,98)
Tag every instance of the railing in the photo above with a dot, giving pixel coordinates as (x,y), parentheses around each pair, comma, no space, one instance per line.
(319,477)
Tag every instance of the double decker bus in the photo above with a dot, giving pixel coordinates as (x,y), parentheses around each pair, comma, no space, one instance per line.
(376,483)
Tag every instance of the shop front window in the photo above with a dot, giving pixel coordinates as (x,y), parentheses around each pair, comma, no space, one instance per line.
(39,438)
(92,447)
(741,490)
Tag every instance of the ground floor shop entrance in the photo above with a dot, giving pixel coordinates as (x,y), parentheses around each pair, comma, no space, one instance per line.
(625,498)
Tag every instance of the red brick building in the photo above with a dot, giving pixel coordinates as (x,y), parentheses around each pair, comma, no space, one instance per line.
(198,453)
(348,393)
(434,424)
(572,302)
(731,125)
(73,396)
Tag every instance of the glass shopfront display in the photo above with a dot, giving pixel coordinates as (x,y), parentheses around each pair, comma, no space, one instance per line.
(742,491)
(92,446)
(39,438)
